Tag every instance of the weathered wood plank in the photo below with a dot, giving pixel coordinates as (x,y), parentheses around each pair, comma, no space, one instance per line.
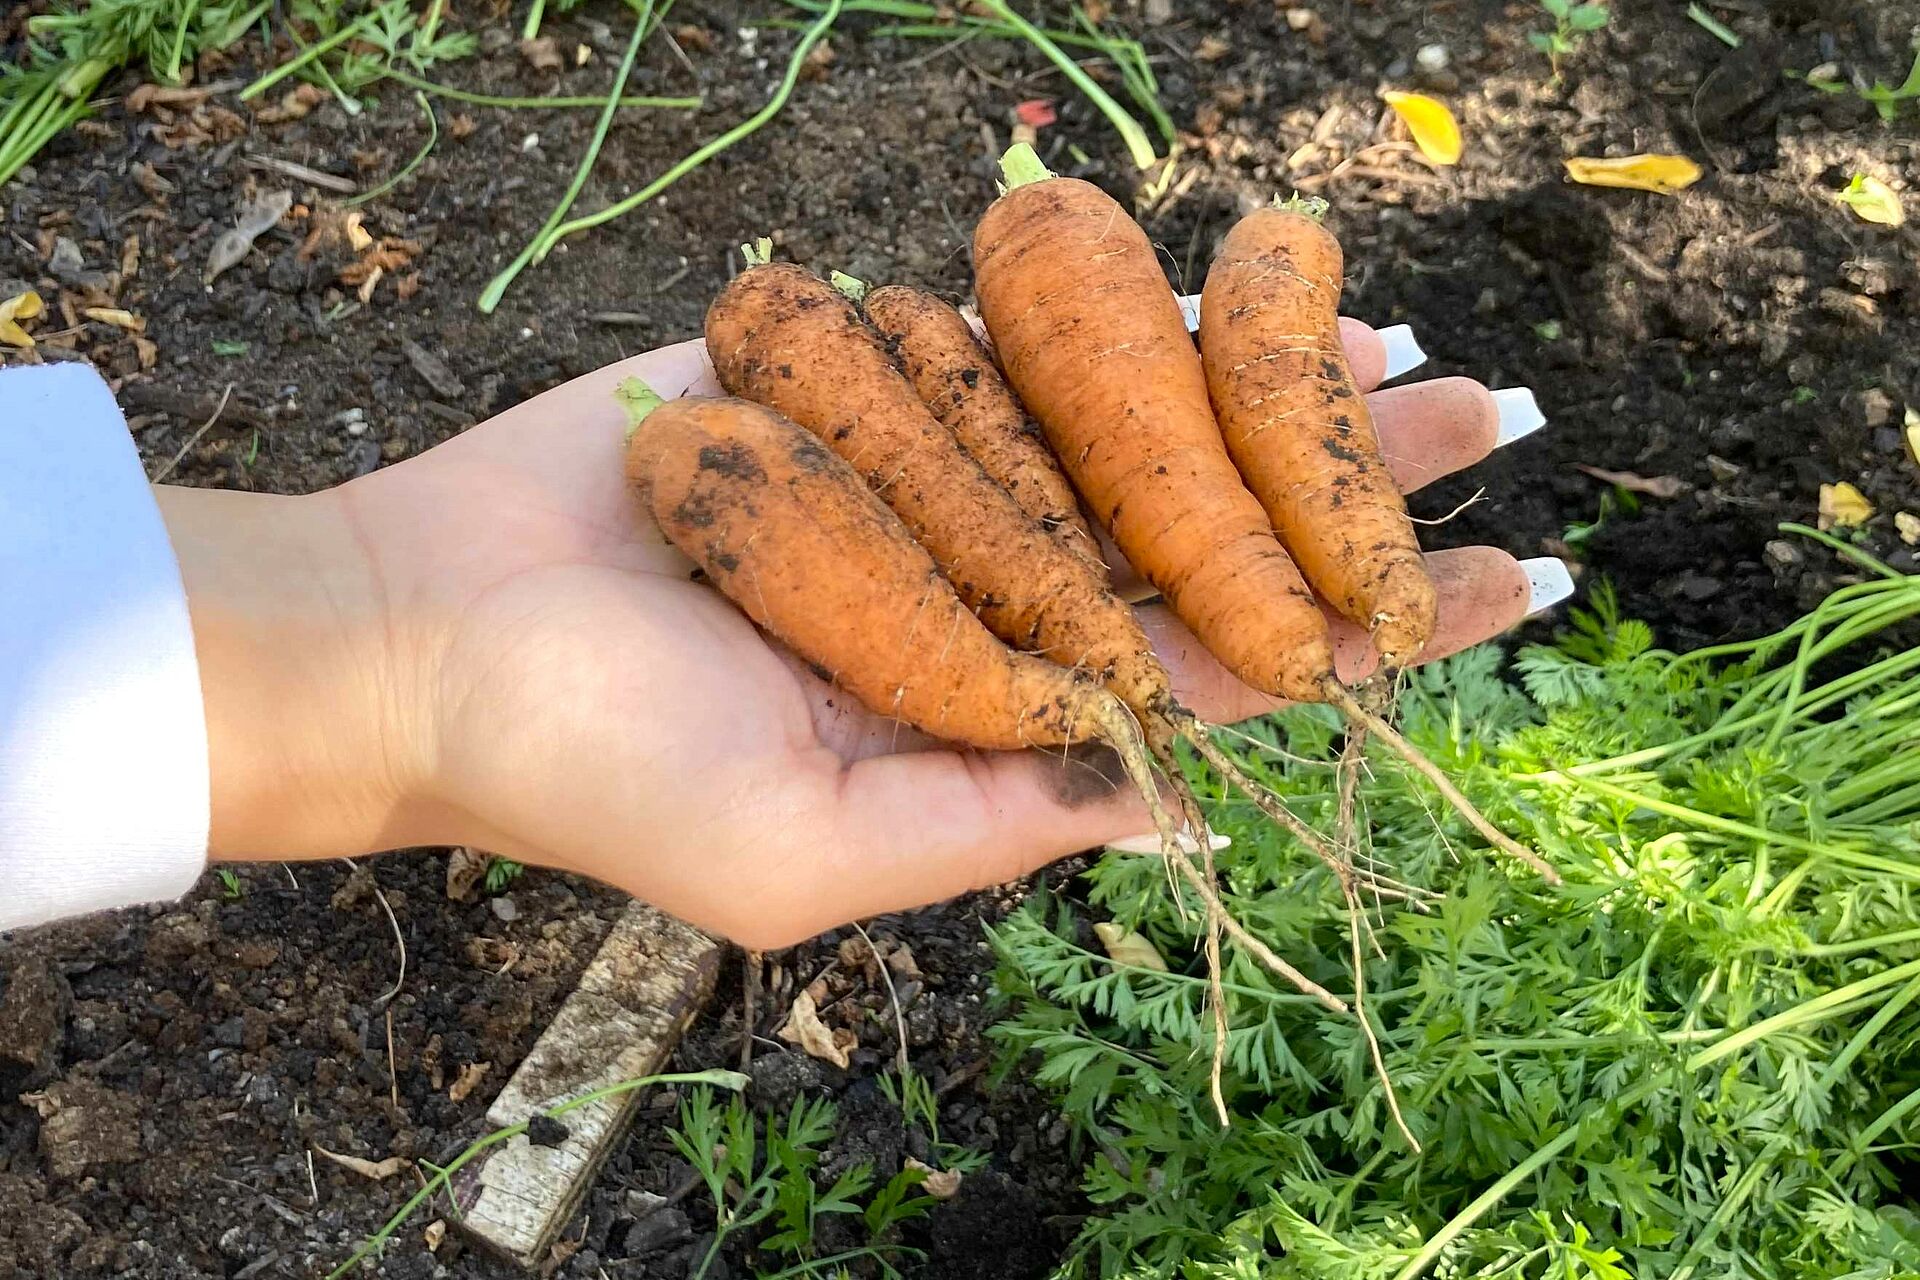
(649,980)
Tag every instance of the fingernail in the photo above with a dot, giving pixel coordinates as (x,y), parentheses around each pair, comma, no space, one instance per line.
(1190,308)
(1403,353)
(1151,843)
(1519,414)
(1548,583)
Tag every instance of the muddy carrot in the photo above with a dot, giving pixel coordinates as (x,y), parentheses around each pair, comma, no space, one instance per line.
(1298,429)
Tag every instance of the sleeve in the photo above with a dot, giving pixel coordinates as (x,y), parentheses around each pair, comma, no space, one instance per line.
(103,740)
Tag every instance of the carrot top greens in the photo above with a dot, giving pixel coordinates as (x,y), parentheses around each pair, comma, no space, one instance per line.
(1698,1057)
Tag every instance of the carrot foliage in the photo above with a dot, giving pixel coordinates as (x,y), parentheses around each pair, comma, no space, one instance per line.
(1698,1057)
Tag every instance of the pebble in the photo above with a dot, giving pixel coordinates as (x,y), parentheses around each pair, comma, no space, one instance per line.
(1722,470)
(504,908)
(1877,406)
(1432,58)
(1783,554)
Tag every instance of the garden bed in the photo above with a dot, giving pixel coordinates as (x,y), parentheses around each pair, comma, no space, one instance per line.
(1738,346)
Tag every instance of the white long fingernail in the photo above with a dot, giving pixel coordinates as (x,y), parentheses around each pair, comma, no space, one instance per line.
(1520,414)
(1548,583)
(1403,352)
(1190,308)
(1151,843)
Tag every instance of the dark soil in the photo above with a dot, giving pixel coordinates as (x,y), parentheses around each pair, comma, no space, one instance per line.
(164,1073)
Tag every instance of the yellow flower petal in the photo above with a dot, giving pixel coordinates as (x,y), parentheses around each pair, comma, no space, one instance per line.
(1434,129)
(1873,201)
(1666,175)
(22,306)
(1843,506)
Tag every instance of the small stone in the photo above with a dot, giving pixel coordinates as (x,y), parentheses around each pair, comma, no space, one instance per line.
(1804,368)
(657,1225)
(231,1033)
(34,1003)
(545,1131)
(1886,439)
(1722,470)
(1432,58)
(1300,19)
(65,264)
(1909,526)
(1698,586)
(347,417)
(504,909)
(363,457)
(1782,554)
(83,1124)
(1877,406)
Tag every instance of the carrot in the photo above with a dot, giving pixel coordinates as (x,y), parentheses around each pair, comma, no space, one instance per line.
(956,379)
(1091,338)
(1093,342)
(1298,428)
(790,533)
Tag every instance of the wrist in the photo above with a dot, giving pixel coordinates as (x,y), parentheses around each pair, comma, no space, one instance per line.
(313,680)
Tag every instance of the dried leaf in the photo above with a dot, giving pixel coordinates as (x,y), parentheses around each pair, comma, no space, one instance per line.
(1664,174)
(804,1028)
(147,96)
(1433,127)
(1653,487)
(118,317)
(468,1080)
(1872,201)
(367,286)
(379,1172)
(129,258)
(901,961)
(542,54)
(1843,506)
(357,236)
(147,352)
(941,1184)
(254,220)
(1127,947)
(465,870)
(296,104)
(22,306)
(1909,526)
(1211,48)
(435,1235)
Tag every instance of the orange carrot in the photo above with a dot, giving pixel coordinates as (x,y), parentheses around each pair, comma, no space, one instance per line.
(957,379)
(1298,428)
(1093,341)
(790,534)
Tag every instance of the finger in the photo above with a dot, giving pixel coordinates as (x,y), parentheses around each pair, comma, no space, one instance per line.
(1483,592)
(1366,353)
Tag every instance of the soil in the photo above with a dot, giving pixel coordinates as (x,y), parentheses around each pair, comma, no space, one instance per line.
(164,1072)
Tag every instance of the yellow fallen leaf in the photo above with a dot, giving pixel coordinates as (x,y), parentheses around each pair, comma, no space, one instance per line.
(1872,201)
(1912,431)
(1127,947)
(358,236)
(804,1028)
(117,317)
(1433,127)
(1843,506)
(1665,175)
(22,306)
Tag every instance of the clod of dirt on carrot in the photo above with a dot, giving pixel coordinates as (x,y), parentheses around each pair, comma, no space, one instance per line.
(1431,123)
(22,306)
(1662,174)
(1843,507)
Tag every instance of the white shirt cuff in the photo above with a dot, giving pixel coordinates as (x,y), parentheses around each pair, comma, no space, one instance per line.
(103,741)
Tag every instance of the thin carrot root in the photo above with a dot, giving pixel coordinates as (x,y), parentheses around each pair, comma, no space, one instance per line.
(1339,697)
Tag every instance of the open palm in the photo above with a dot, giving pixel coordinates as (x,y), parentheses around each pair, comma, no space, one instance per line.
(593,708)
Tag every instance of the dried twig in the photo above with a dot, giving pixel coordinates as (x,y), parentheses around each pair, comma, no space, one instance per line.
(194,439)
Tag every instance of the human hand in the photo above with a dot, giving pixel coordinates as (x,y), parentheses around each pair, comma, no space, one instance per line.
(491,645)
